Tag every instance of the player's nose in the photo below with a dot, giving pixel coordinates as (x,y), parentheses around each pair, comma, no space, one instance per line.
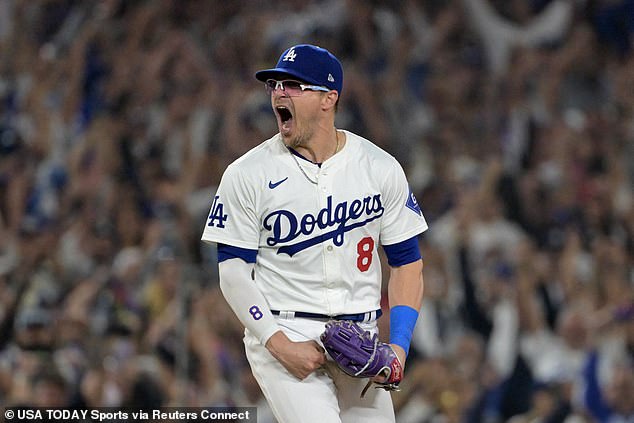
(279,92)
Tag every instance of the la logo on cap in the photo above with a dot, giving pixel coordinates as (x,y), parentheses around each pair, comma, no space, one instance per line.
(290,56)
(331,78)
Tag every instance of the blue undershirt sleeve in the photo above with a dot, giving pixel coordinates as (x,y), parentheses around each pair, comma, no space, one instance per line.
(226,252)
(402,253)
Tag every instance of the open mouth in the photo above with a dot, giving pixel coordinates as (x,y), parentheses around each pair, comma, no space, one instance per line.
(286,119)
(284,113)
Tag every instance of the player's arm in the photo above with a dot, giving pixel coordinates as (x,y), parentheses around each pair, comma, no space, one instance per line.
(402,222)
(233,217)
(251,308)
(405,293)
(233,225)
(235,267)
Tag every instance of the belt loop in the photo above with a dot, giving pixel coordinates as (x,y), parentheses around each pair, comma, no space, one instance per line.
(287,315)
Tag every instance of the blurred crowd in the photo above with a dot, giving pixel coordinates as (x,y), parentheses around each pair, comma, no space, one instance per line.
(514,120)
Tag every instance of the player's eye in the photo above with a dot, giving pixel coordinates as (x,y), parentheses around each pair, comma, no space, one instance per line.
(290,87)
(270,85)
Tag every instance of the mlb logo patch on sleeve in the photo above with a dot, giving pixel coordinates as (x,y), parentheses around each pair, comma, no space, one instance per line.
(412,204)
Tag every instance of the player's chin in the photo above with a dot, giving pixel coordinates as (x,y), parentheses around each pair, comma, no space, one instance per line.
(285,121)
(286,129)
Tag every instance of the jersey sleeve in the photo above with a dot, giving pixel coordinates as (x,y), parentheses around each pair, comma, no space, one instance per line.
(232,218)
(403,217)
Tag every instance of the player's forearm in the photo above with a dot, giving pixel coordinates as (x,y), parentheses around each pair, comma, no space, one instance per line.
(245,299)
(405,292)
(406,285)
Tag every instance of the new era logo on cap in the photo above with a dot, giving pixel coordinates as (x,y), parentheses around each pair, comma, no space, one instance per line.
(308,63)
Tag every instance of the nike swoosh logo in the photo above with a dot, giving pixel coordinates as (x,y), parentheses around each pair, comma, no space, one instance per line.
(274,185)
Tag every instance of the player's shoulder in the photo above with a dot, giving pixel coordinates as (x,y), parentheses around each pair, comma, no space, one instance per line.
(257,158)
(365,149)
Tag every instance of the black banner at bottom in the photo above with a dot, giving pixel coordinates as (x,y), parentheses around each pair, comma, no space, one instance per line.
(116,415)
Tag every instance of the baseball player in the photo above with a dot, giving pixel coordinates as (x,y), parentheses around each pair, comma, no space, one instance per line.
(298,221)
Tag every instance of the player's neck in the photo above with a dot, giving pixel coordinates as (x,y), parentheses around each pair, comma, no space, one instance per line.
(324,148)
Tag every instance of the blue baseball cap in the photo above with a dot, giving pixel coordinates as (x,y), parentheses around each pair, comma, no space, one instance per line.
(308,63)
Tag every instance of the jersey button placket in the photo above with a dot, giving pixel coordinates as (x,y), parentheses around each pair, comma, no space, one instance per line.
(331,262)
(322,180)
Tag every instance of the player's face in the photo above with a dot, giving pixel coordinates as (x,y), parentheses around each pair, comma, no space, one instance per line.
(296,115)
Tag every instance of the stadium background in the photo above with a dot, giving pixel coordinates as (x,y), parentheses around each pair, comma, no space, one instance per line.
(515,123)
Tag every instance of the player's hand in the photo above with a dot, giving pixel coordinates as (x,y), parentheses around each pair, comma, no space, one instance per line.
(299,358)
(400,354)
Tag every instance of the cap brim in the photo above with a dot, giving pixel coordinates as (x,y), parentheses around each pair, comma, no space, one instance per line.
(275,73)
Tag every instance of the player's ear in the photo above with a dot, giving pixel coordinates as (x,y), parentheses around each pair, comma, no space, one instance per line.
(329,100)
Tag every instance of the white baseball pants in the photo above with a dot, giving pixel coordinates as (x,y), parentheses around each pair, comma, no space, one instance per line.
(326,396)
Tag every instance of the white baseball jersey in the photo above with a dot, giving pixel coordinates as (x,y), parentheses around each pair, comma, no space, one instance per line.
(316,229)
